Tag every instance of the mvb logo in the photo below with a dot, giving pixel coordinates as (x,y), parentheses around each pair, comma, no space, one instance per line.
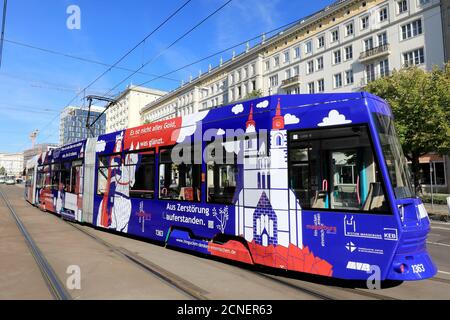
(360,266)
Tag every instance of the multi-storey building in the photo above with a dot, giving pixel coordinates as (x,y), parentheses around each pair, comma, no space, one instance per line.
(12,163)
(72,127)
(340,48)
(125,112)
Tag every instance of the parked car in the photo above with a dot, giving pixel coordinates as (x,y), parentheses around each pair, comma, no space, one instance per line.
(10,180)
(2,180)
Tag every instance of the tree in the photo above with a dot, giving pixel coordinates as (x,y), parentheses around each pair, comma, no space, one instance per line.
(420,102)
(254,94)
(2,171)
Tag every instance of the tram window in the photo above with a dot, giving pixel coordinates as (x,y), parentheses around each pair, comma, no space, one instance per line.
(107,168)
(75,177)
(41,175)
(222,174)
(335,169)
(54,182)
(141,170)
(65,177)
(181,181)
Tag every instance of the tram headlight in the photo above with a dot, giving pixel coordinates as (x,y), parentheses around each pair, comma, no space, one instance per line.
(401,268)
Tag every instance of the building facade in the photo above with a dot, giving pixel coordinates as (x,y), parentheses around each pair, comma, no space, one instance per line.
(339,49)
(72,127)
(12,163)
(125,113)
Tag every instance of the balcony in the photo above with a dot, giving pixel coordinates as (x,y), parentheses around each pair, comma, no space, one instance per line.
(374,53)
(292,81)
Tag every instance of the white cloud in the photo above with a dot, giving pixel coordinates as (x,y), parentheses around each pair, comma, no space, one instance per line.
(334,118)
(220,132)
(100,146)
(238,108)
(189,125)
(263,104)
(290,119)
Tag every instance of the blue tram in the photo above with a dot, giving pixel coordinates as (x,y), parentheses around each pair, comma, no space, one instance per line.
(308,183)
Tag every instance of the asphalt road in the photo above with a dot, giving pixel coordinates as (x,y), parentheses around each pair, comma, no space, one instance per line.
(118,267)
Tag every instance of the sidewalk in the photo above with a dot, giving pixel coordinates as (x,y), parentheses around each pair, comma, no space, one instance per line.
(438,212)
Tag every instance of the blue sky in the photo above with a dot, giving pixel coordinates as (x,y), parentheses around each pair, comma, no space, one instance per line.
(35,86)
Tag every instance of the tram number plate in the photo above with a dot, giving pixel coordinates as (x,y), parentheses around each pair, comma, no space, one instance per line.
(418,268)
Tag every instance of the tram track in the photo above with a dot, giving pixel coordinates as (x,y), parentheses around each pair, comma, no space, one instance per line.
(54,284)
(187,288)
(196,293)
(322,296)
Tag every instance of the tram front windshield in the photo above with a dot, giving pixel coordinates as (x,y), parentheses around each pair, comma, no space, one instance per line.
(399,173)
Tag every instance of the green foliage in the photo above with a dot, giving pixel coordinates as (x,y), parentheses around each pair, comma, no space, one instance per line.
(254,94)
(437,198)
(2,171)
(420,102)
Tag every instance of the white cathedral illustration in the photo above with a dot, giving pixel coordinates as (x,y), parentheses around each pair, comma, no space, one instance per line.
(267,212)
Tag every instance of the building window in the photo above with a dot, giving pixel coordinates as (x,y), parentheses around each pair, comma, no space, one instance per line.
(274,80)
(413,57)
(321,42)
(320,63)
(320,85)
(286,57)
(402,6)
(179,181)
(412,29)
(384,68)
(364,22)
(382,39)
(308,47)
(383,14)
(276,61)
(368,44)
(370,72)
(310,67)
(423,2)
(311,87)
(337,57)
(296,70)
(338,80)
(348,53)
(267,63)
(297,52)
(335,35)
(287,74)
(349,77)
(349,29)
(437,173)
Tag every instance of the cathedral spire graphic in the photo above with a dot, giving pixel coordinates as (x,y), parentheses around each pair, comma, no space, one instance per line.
(278,119)
(250,122)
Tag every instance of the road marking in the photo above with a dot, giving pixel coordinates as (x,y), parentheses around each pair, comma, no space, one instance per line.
(444,272)
(439,244)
